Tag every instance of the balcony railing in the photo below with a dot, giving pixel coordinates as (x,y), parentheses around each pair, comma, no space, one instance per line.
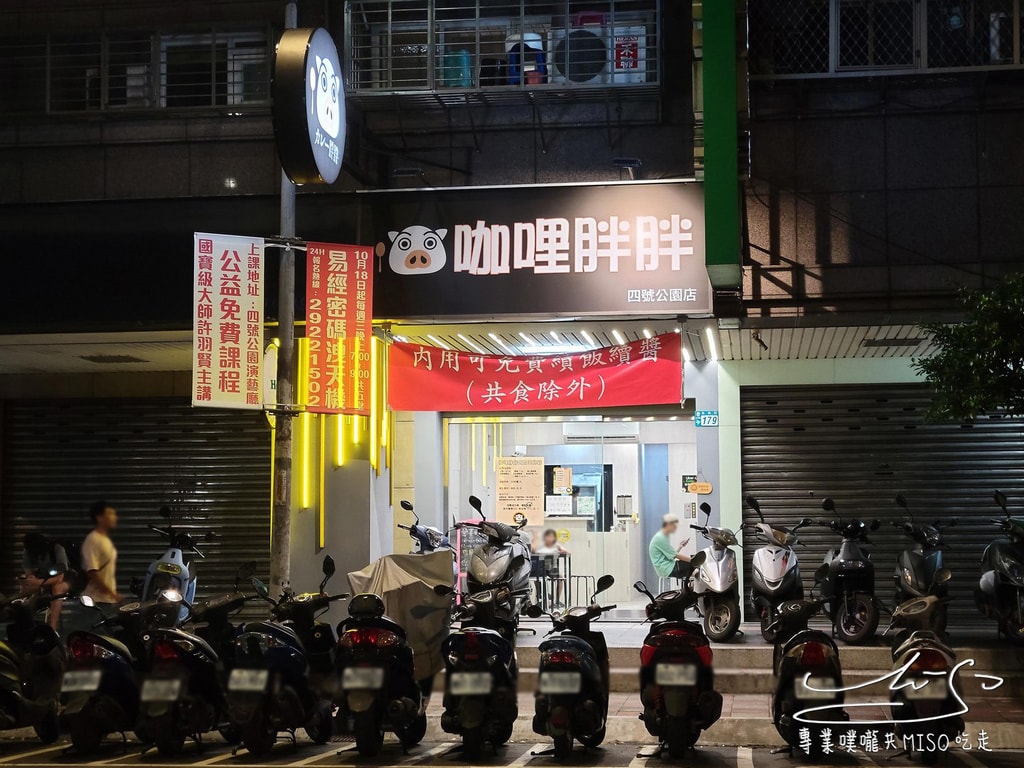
(830,38)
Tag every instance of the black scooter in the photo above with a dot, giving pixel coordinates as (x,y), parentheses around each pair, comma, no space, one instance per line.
(927,711)
(848,587)
(677,679)
(480,701)
(284,670)
(808,675)
(573,679)
(1000,592)
(378,680)
(32,662)
(920,562)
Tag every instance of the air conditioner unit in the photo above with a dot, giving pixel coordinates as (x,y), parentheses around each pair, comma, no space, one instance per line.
(628,54)
(575,432)
(579,55)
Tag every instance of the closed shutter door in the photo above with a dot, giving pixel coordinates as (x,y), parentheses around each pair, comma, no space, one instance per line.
(863,445)
(60,456)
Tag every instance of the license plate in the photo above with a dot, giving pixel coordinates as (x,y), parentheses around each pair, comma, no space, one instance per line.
(816,688)
(555,683)
(676,674)
(157,689)
(248,679)
(469,683)
(362,678)
(934,689)
(81,680)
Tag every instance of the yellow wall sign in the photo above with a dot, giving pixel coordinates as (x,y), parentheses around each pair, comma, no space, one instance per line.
(564,535)
(700,488)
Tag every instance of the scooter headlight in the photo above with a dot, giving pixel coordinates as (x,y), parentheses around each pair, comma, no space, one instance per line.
(435,539)
(1012,568)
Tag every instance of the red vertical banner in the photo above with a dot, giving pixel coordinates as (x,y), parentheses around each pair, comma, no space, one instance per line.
(339,296)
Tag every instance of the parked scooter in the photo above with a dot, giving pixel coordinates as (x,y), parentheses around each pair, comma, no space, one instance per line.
(171,571)
(426,537)
(921,561)
(32,662)
(849,586)
(808,675)
(925,708)
(378,681)
(280,681)
(183,692)
(716,581)
(776,569)
(573,678)
(501,566)
(480,701)
(100,689)
(1000,593)
(677,684)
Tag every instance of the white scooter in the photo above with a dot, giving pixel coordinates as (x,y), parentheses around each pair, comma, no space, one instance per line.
(717,581)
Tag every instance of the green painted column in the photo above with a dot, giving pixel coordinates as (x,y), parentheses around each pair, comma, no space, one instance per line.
(721,167)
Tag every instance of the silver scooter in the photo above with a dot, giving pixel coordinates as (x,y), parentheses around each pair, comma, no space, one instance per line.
(717,581)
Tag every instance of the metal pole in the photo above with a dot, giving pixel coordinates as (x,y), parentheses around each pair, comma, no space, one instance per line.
(281,521)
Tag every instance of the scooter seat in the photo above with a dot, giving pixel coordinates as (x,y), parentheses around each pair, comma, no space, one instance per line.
(922,639)
(806,635)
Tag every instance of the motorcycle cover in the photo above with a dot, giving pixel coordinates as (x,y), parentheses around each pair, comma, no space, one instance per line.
(406,585)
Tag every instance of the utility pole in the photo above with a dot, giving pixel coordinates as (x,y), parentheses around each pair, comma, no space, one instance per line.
(281,515)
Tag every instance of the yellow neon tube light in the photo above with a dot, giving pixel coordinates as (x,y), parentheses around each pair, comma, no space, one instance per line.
(339,440)
(374,434)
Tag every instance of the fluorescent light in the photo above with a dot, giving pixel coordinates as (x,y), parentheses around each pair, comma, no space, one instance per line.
(686,354)
(678,329)
(494,337)
(471,344)
(712,349)
(554,335)
(554,349)
(528,339)
(618,336)
(647,333)
(437,341)
(589,339)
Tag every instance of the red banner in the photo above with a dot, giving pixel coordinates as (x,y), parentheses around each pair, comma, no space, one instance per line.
(339,300)
(645,372)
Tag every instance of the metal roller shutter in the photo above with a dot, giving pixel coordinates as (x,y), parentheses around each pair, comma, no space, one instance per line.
(862,445)
(60,456)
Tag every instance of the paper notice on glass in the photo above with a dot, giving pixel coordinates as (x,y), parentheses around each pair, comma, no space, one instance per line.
(520,490)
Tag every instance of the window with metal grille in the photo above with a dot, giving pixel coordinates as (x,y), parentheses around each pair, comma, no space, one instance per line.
(876,33)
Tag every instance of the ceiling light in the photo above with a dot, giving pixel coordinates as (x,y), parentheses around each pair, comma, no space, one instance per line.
(470,343)
(528,339)
(647,333)
(618,336)
(555,349)
(678,329)
(907,342)
(686,355)
(554,335)
(712,349)
(501,342)
(438,342)
(588,338)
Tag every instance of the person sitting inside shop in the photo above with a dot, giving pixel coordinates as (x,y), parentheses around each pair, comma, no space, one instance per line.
(669,562)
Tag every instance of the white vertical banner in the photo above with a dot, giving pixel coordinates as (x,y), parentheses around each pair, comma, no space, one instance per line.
(227,330)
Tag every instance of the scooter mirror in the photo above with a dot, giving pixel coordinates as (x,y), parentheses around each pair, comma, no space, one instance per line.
(329,567)
(245,572)
(901,500)
(943,575)
(806,521)
(875,524)
(698,560)
(828,505)
(754,504)
(165,512)
(604,584)
(705,508)
(476,504)
(406,505)
(534,611)
(640,587)
(261,588)
(821,573)
(1000,498)
(443,590)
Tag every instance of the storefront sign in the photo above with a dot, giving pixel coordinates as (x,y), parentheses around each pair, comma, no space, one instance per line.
(700,488)
(339,296)
(227,342)
(705,418)
(645,372)
(520,490)
(539,251)
(309,106)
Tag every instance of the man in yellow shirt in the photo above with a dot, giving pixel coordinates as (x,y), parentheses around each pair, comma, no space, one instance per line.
(99,555)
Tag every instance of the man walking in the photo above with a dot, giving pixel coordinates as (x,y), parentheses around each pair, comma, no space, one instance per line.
(99,556)
(668,561)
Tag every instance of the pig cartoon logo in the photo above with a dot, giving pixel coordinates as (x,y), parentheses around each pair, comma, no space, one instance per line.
(326,85)
(415,250)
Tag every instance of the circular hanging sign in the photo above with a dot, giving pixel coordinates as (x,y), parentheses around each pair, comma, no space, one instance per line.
(309,106)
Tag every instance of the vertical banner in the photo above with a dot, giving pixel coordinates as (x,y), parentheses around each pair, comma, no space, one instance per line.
(227,343)
(520,490)
(339,296)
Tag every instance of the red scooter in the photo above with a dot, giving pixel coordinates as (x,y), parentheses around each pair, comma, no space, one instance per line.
(676,674)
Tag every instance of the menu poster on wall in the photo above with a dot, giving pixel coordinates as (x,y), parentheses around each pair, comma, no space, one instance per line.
(561,480)
(227,341)
(520,490)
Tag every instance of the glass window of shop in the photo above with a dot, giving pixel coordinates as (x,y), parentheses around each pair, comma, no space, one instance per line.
(608,482)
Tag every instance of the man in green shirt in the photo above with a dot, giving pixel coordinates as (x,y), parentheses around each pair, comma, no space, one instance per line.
(668,561)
